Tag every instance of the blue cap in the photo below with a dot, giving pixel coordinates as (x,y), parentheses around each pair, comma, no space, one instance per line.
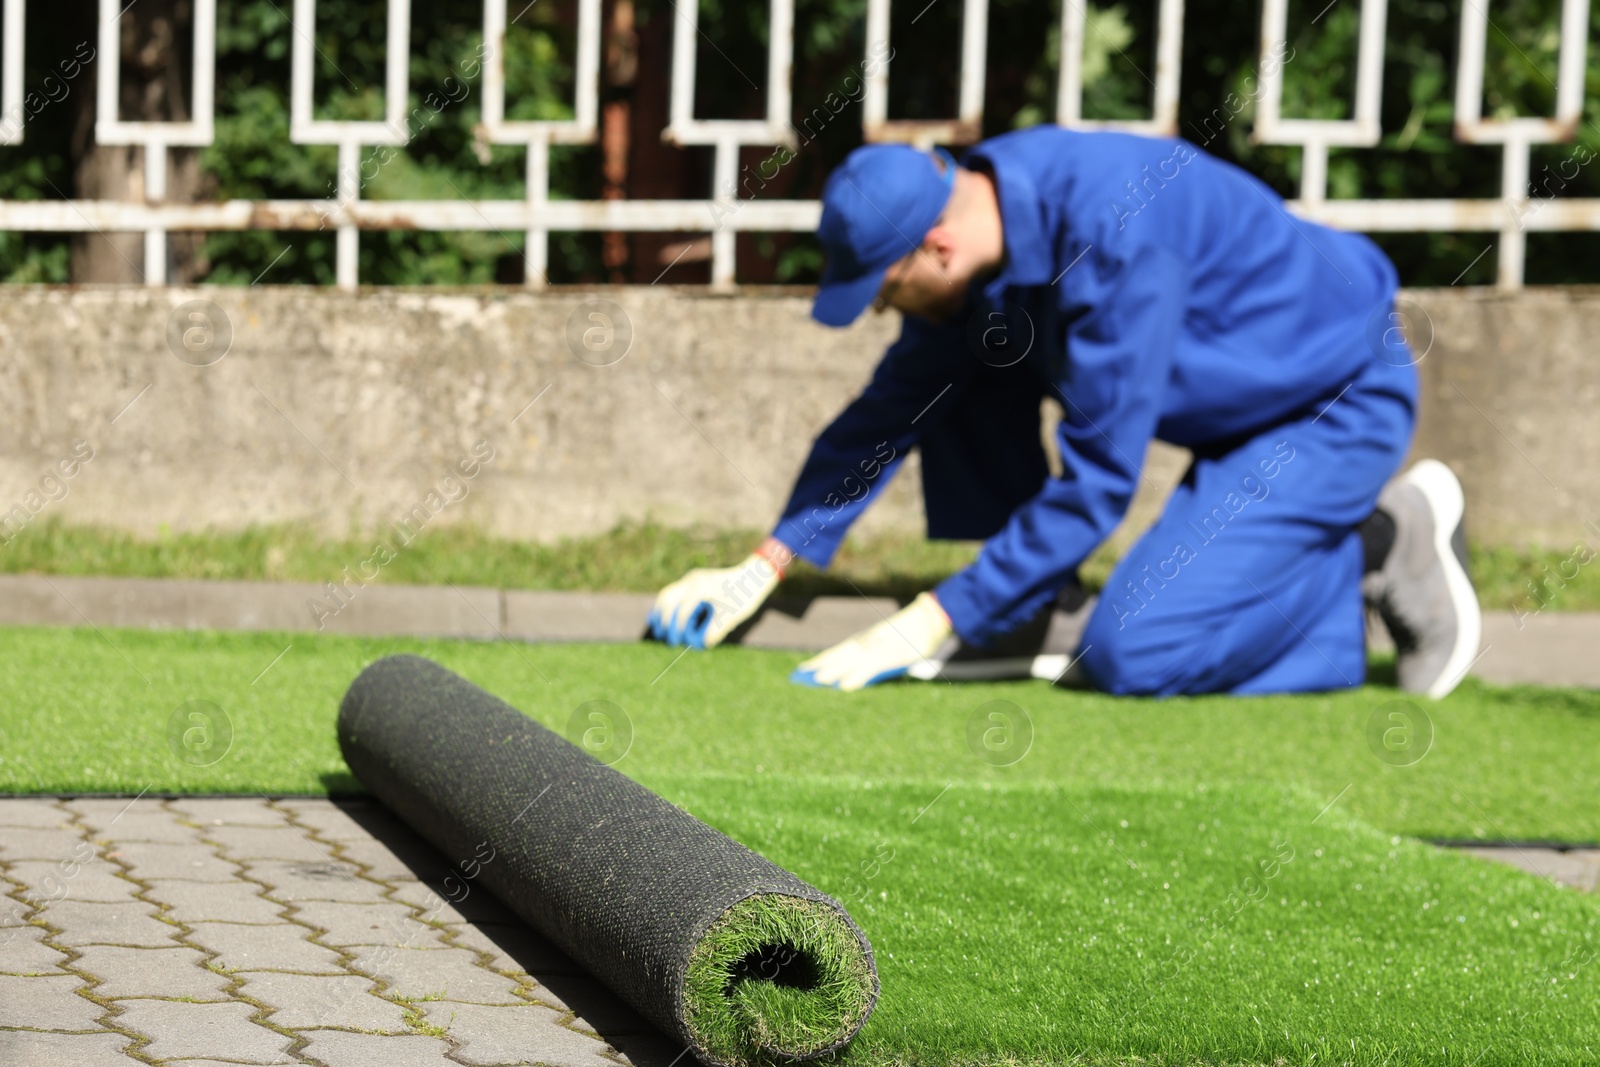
(876,206)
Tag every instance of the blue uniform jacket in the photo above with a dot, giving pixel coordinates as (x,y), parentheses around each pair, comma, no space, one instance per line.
(1164,294)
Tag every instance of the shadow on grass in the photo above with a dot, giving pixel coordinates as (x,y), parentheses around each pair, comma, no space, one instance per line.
(341,785)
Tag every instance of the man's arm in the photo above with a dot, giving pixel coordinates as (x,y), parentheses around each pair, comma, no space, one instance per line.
(853,457)
(1119,355)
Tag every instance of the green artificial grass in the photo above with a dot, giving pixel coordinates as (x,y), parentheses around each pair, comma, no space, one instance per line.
(774,978)
(96,711)
(1020,923)
(1213,880)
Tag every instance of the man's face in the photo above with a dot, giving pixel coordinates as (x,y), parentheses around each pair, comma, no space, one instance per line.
(925,282)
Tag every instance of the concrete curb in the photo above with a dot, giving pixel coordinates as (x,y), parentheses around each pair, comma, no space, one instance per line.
(471,612)
(1546,649)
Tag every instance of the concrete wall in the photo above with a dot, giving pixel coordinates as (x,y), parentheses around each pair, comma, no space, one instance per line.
(1511,400)
(348,411)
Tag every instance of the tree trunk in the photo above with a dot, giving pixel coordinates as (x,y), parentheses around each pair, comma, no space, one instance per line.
(156,46)
(621,67)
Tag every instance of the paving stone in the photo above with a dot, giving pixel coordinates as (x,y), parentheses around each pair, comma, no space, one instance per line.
(649,1049)
(597,1008)
(302,1002)
(238,811)
(315,881)
(190,863)
(235,902)
(40,813)
(478,906)
(20,1047)
(218,1031)
(397,860)
(85,923)
(108,808)
(514,948)
(127,942)
(347,820)
(370,1050)
(36,844)
(448,973)
(525,1033)
(94,879)
(267,843)
(367,924)
(580,1024)
(151,972)
(13,913)
(157,825)
(1577,869)
(47,1003)
(282,947)
(23,951)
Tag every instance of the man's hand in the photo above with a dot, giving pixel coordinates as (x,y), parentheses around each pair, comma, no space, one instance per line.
(884,651)
(705,605)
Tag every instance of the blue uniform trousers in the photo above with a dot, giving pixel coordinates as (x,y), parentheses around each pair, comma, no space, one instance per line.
(1250,580)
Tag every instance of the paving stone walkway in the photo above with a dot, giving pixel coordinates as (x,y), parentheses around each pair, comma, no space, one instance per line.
(202,931)
(1576,868)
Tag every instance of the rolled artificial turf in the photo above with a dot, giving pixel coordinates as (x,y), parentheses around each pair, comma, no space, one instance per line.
(780,974)
(742,960)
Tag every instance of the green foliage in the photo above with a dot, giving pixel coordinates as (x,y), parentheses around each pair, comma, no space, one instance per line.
(1111,88)
(1418,156)
(1527,581)
(633,557)
(252,157)
(440,159)
(41,167)
(642,558)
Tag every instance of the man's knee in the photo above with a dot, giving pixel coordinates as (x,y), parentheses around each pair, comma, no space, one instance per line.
(1128,649)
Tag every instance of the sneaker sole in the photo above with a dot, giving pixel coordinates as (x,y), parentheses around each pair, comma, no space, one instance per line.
(1447,502)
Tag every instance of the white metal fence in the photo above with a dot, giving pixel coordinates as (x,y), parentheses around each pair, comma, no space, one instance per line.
(726,211)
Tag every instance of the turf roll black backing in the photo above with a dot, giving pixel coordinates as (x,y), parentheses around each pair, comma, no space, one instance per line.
(739,958)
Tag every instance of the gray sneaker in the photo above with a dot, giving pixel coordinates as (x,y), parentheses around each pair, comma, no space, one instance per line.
(1045,647)
(1422,590)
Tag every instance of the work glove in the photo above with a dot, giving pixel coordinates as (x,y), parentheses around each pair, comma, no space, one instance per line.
(708,603)
(881,652)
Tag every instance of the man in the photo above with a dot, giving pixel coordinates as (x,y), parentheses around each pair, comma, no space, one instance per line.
(1152,291)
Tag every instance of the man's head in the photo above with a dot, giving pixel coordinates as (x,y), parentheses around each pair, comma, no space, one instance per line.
(906,229)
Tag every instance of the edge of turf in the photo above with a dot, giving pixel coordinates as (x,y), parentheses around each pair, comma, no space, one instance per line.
(778,978)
